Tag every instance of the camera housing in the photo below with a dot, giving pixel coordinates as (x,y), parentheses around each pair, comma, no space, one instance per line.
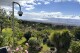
(20,13)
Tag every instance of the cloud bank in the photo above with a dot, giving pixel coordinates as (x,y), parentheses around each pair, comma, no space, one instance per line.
(30,4)
(47,15)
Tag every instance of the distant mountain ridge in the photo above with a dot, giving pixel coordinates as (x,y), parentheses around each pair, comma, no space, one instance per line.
(59,21)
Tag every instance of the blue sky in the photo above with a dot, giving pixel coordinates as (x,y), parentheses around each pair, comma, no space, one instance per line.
(39,9)
(64,7)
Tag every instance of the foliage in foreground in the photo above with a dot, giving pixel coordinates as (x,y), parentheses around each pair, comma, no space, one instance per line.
(34,45)
(7,36)
(37,34)
(61,41)
(75,46)
(77,33)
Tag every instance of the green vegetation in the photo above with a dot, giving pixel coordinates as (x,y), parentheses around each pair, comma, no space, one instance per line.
(75,46)
(34,45)
(77,33)
(61,41)
(34,37)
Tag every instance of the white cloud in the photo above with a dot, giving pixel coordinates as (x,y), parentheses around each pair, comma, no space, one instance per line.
(30,7)
(38,19)
(38,3)
(63,0)
(78,1)
(57,0)
(24,3)
(30,4)
(46,15)
(46,3)
(9,9)
(6,8)
(66,0)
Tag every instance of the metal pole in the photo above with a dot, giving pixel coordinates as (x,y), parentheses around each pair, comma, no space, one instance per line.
(18,4)
(13,22)
(13,29)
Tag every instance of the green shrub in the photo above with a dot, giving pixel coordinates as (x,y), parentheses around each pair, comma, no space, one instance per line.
(23,40)
(33,42)
(7,36)
(61,41)
(49,43)
(77,33)
(1,40)
(34,45)
(65,41)
(27,35)
(55,38)
(75,46)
